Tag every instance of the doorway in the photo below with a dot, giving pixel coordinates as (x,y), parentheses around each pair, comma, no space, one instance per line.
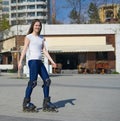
(68,60)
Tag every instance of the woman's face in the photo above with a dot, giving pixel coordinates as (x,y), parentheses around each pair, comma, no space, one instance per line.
(36,27)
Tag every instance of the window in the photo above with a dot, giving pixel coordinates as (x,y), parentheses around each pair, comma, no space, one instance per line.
(29,21)
(39,14)
(5,2)
(41,6)
(31,14)
(13,15)
(5,9)
(13,22)
(21,7)
(13,1)
(41,0)
(31,7)
(9,59)
(31,0)
(21,15)
(20,1)
(101,56)
(1,58)
(13,8)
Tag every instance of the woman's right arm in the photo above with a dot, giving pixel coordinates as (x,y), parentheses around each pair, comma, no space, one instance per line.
(26,44)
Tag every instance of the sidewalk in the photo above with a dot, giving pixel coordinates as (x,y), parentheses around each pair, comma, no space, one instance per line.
(78,98)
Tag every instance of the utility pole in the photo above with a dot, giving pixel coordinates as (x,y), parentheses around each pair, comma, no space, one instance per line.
(53,12)
(105,1)
(17,53)
(17,15)
(112,1)
(79,11)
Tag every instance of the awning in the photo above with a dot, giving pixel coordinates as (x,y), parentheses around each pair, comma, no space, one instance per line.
(5,51)
(10,51)
(88,48)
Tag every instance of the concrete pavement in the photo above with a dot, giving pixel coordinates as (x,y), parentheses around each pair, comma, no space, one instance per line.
(78,98)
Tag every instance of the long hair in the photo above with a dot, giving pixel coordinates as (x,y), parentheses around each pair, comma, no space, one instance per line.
(32,25)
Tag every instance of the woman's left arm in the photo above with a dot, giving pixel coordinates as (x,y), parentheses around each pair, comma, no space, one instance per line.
(45,51)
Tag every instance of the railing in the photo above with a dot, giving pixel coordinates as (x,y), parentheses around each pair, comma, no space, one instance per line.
(6,66)
(58,68)
(102,67)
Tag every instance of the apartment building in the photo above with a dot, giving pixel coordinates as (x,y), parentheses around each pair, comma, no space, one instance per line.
(5,7)
(0,9)
(24,11)
(108,13)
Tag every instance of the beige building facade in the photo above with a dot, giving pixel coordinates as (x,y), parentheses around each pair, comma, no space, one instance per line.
(89,48)
(108,13)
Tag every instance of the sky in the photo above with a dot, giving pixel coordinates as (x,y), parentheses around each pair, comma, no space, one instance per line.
(62,11)
(62,8)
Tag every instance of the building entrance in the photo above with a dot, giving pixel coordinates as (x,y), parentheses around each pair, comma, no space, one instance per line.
(68,60)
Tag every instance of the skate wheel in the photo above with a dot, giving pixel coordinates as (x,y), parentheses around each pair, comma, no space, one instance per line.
(50,110)
(32,111)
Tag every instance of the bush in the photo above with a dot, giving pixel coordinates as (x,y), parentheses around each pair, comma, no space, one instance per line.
(114,72)
(11,71)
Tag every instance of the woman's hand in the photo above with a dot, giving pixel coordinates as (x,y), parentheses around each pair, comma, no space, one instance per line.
(19,66)
(54,65)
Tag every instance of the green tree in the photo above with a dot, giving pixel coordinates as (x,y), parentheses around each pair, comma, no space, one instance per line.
(4,23)
(118,15)
(93,13)
(75,13)
(74,16)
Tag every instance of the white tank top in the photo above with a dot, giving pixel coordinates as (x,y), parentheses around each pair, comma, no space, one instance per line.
(35,47)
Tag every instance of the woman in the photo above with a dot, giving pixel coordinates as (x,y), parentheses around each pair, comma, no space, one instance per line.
(33,46)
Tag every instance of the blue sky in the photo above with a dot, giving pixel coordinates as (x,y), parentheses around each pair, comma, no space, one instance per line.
(62,9)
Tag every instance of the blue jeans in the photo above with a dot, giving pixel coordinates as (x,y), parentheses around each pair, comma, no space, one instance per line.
(36,67)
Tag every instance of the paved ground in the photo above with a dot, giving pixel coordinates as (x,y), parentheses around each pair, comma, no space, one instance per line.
(78,97)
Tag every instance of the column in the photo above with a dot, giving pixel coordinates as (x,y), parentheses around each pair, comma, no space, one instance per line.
(117,40)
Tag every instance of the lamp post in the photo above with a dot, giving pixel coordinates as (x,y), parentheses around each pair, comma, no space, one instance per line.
(17,57)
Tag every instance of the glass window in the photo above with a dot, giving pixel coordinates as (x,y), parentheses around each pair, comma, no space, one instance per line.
(29,21)
(13,8)
(41,0)
(41,6)
(31,0)
(31,14)
(13,22)
(39,14)
(21,15)
(101,56)
(20,1)
(9,59)
(13,1)
(21,7)
(5,9)
(5,2)
(31,7)
(13,15)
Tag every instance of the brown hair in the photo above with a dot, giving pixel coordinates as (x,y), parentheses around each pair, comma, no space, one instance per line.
(32,24)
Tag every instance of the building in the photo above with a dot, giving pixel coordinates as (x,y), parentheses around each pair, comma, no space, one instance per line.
(5,7)
(108,13)
(0,9)
(94,47)
(24,11)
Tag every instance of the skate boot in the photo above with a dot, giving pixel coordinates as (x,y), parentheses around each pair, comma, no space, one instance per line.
(29,107)
(48,106)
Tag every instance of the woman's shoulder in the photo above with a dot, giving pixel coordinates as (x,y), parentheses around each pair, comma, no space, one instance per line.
(28,36)
(41,37)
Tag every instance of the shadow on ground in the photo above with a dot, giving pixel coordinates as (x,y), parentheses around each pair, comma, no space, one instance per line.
(62,103)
